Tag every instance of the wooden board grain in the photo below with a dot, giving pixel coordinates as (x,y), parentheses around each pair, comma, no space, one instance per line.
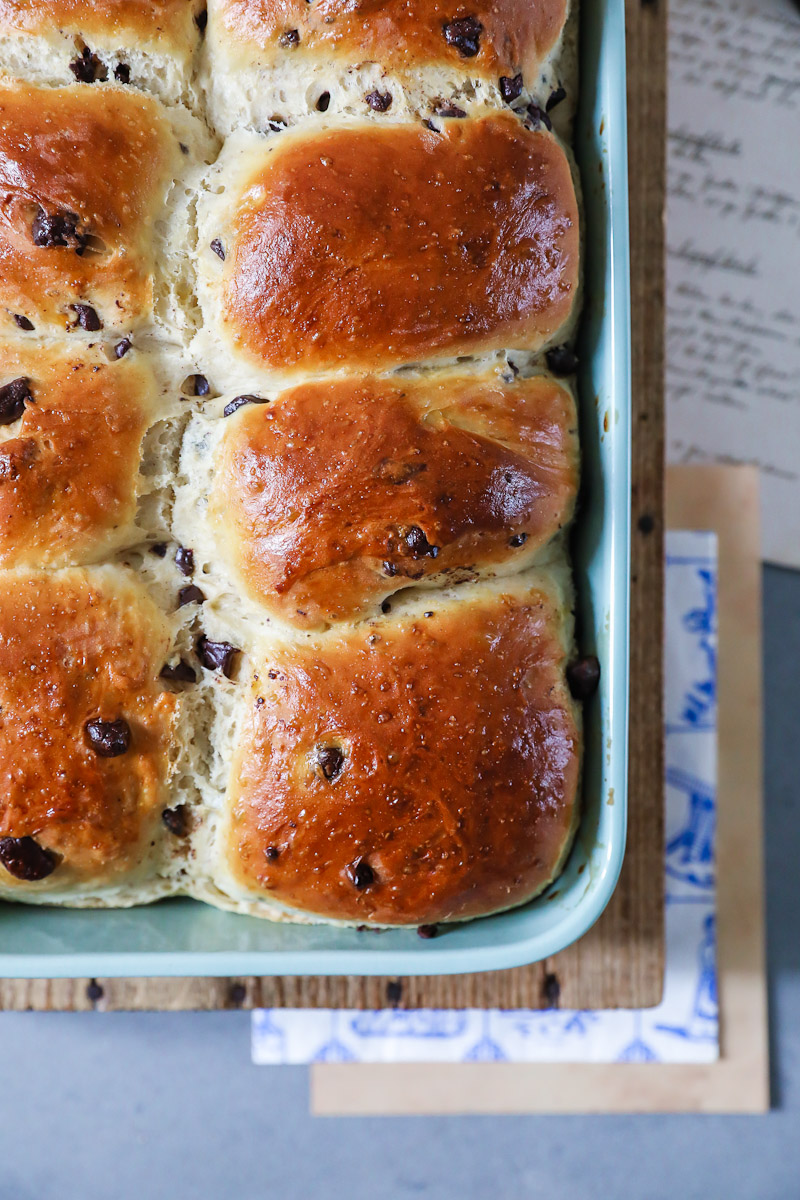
(620,962)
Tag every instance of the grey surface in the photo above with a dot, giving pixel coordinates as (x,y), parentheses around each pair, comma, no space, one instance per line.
(168,1107)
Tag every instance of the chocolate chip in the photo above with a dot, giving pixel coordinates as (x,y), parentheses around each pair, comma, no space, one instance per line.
(464,35)
(272,673)
(122,73)
(276,124)
(562,361)
(555,98)
(389,569)
(87,318)
(109,739)
(13,398)
(183,147)
(551,990)
(25,859)
(23,322)
(445,109)
(190,595)
(272,853)
(94,991)
(430,125)
(583,676)
(417,544)
(427,614)
(537,116)
(177,820)
(427,931)
(510,87)
(184,560)
(323,102)
(290,38)
(197,385)
(518,539)
(330,761)
(386,607)
(217,656)
(87,67)
(218,248)
(379,101)
(181,672)
(159,549)
(240,401)
(201,20)
(58,229)
(360,874)
(122,348)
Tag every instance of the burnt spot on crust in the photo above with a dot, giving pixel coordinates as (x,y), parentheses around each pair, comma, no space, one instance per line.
(86,317)
(510,87)
(583,676)
(330,761)
(379,101)
(360,874)
(13,398)
(25,859)
(109,739)
(87,67)
(177,820)
(217,656)
(58,229)
(464,35)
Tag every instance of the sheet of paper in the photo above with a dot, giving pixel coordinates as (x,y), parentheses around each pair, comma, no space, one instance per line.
(733,244)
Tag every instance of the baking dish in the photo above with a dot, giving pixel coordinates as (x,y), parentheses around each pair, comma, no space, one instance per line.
(183,937)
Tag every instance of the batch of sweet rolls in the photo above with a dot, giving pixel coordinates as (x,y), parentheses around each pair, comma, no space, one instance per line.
(289,454)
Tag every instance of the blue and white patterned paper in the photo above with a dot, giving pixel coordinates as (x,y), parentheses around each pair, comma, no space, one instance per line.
(684,1027)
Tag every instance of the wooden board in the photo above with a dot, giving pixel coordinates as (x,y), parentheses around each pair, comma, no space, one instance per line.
(620,962)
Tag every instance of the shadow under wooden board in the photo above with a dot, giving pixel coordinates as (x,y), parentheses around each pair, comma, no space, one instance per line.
(620,962)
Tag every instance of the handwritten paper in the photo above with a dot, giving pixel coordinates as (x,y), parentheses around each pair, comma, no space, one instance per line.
(733,244)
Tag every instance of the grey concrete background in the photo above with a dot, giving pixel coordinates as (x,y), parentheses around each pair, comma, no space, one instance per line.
(168,1107)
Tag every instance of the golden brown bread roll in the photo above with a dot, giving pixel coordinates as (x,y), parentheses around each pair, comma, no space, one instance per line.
(85,725)
(336,494)
(366,246)
(70,450)
(420,767)
(84,176)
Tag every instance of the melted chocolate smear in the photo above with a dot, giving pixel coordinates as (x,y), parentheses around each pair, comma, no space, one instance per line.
(25,859)
(360,874)
(240,401)
(330,761)
(583,676)
(177,820)
(109,739)
(464,35)
(217,656)
(13,398)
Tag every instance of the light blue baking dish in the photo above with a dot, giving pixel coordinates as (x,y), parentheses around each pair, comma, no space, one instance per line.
(182,937)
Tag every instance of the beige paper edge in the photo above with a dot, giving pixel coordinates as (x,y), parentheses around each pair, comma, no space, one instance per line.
(724,499)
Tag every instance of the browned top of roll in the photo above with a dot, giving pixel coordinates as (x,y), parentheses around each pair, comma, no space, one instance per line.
(167,21)
(488,38)
(374,245)
(418,769)
(83,174)
(75,647)
(69,465)
(339,493)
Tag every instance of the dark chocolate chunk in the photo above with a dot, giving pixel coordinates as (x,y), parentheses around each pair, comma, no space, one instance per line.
(217,656)
(177,819)
(417,544)
(58,229)
(197,385)
(87,318)
(218,248)
(389,569)
(201,20)
(445,109)
(537,116)
(109,739)
(181,672)
(159,549)
(464,35)
(24,858)
(323,102)
(122,348)
(190,594)
(427,931)
(290,38)
(386,607)
(518,539)
(379,101)
(551,990)
(272,852)
(583,676)
(240,401)
(13,398)
(87,67)
(555,98)
(330,761)
(184,560)
(562,361)
(122,73)
(510,87)
(23,322)
(360,874)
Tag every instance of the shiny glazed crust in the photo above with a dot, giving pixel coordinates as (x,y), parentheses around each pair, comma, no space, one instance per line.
(169,22)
